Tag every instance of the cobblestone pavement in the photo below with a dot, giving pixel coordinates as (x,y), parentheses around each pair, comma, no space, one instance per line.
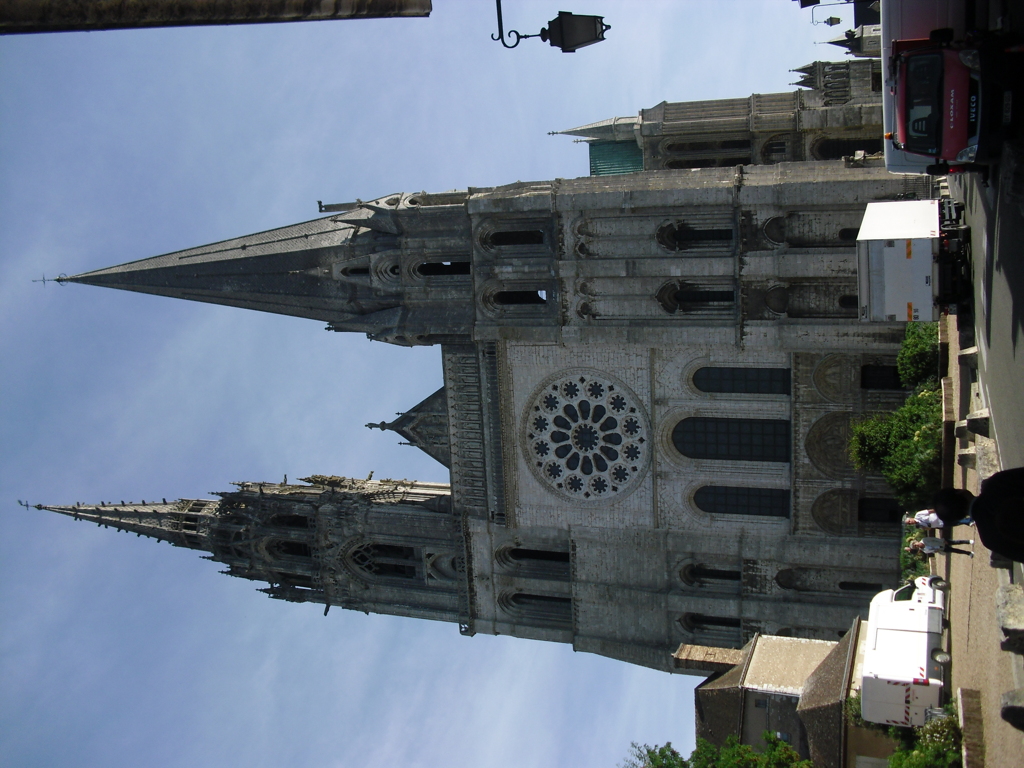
(974,634)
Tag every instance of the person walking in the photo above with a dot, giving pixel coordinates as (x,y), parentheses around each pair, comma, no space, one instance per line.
(928,518)
(929,545)
(998,511)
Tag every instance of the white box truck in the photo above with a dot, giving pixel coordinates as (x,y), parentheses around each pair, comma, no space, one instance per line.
(912,257)
(903,657)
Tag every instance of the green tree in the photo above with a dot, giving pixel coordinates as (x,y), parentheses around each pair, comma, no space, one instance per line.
(905,446)
(778,754)
(918,358)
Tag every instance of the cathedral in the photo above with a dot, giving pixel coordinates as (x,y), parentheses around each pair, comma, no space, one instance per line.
(649,378)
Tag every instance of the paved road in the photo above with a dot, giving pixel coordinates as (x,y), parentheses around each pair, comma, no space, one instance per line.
(996,214)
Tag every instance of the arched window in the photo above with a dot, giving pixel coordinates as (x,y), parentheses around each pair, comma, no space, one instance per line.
(775,230)
(544,610)
(849,301)
(879,510)
(860,586)
(698,621)
(848,234)
(516,237)
(679,236)
(443,268)
(288,548)
(387,560)
(738,500)
(679,164)
(540,563)
(690,146)
(299,522)
(753,381)
(701,437)
(506,298)
(695,574)
(681,296)
(880,377)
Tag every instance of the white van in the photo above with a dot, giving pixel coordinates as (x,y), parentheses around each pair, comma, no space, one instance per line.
(903,656)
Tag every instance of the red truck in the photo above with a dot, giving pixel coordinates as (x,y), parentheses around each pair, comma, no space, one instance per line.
(943,98)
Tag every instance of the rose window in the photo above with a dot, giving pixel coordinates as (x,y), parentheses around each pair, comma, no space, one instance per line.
(585,436)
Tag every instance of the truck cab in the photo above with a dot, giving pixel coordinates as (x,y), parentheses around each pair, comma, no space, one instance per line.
(937,96)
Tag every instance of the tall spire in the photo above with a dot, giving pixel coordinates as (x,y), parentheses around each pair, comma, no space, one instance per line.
(358,270)
(326,541)
(184,523)
(297,270)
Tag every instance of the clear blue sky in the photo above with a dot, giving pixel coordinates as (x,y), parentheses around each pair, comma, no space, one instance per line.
(120,145)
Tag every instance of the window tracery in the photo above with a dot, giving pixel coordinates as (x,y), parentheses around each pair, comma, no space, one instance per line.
(585,436)
(386,560)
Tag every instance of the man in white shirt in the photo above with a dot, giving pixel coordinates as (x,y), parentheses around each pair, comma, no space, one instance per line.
(926,518)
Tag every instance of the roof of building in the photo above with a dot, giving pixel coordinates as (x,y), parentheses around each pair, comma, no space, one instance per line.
(718,702)
(782,664)
(821,704)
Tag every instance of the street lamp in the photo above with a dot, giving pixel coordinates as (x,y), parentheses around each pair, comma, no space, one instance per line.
(567,31)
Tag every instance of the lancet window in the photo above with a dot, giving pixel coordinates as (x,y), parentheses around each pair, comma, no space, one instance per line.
(535,563)
(753,381)
(542,610)
(680,236)
(738,500)
(733,439)
(386,560)
(880,377)
(516,237)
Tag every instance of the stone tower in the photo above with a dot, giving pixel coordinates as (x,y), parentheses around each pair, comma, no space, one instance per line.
(648,383)
(836,113)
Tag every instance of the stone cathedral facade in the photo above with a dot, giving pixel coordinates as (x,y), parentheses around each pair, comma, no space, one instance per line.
(648,383)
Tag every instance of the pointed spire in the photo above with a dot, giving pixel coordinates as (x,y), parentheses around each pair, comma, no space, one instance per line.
(425,426)
(354,270)
(287,271)
(612,129)
(183,523)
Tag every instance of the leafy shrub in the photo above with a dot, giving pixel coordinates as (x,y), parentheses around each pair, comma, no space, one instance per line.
(778,754)
(905,446)
(918,358)
(937,746)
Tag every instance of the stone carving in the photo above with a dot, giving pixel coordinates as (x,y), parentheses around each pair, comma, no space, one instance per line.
(835,512)
(585,436)
(826,445)
(835,378)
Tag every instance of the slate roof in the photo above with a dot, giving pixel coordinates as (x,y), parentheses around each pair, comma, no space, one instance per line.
(718,703)
(821,704)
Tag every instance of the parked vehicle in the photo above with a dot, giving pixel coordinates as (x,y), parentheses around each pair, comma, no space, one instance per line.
(902,671)
(912,258)
(911,20)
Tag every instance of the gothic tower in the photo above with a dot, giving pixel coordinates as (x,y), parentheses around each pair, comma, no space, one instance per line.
(648,383)
(837,112)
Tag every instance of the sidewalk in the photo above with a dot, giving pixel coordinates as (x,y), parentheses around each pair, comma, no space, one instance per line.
(974,635)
